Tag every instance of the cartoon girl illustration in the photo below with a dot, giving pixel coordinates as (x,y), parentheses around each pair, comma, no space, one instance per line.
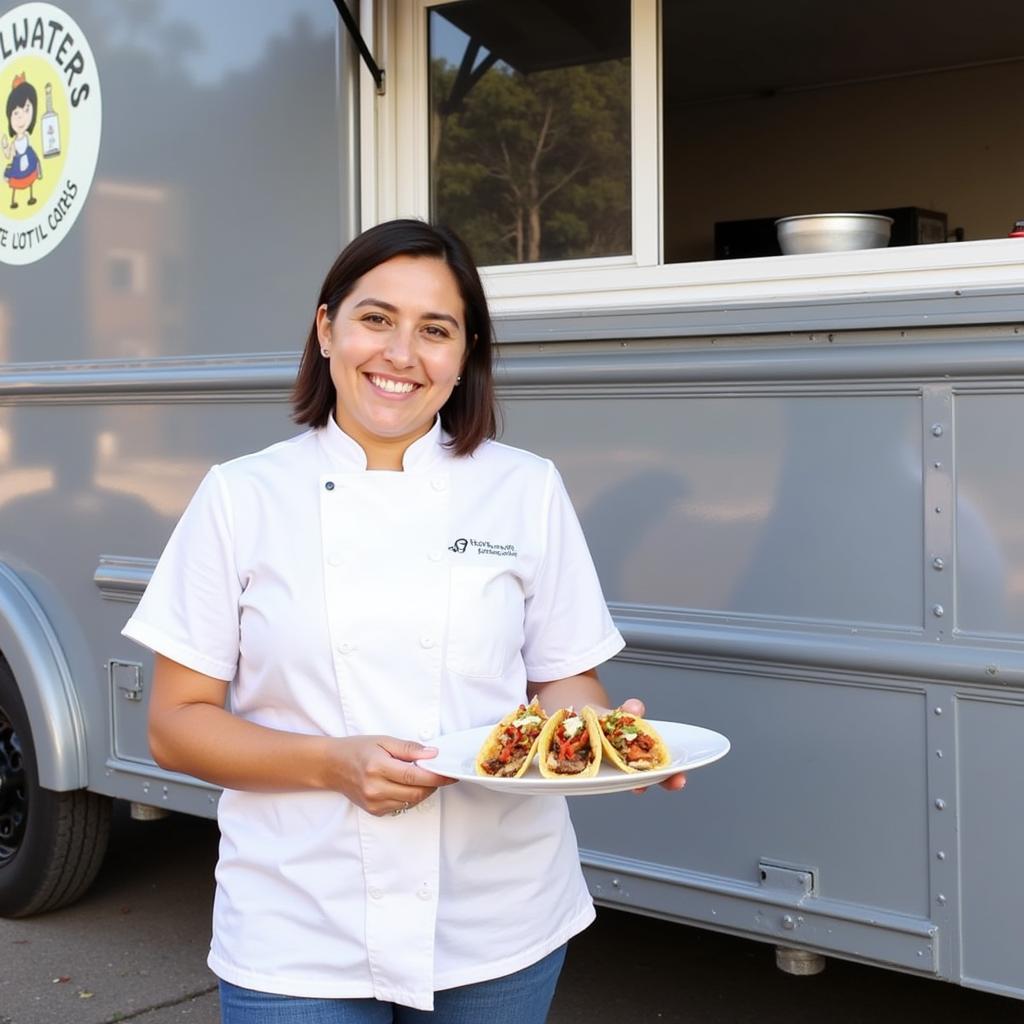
(24,169)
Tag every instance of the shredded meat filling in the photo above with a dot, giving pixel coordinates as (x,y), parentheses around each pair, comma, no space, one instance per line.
(503,769)
(577,763)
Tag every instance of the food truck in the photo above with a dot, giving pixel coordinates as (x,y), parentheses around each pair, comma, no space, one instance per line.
(797,463)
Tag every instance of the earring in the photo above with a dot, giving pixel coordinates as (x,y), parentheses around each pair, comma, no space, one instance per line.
(325,351)
(458,381)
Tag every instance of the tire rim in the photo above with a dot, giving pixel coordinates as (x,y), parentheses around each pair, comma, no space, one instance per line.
(13,790)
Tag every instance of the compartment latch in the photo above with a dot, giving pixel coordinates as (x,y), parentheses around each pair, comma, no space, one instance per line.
(126,677)
(791,879)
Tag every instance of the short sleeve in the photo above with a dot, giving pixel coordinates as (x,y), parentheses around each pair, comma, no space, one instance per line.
(190,610)
(568,628)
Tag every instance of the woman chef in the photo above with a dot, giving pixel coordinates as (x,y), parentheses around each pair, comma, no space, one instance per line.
(389,576)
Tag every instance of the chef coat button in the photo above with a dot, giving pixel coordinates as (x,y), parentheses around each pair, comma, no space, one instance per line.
(424,893)
(329,486)
(375,893)
(439,483)
(426,642)
(427,732)
(334,558)
(345,647)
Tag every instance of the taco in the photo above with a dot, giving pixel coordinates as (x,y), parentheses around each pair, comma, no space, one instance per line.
(511,745)
(631,743)
(570,746)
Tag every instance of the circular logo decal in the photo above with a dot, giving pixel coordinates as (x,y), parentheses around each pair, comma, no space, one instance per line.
(49,129)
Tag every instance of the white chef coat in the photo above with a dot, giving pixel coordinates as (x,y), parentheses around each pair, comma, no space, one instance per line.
(342,602)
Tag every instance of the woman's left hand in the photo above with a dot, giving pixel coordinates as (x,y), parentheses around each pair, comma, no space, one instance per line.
(635,706)
(585,689)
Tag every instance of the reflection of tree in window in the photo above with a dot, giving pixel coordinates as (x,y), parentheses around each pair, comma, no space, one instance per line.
(530,130)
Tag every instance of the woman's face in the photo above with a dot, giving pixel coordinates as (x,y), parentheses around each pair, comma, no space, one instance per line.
(397,344)
(21,117)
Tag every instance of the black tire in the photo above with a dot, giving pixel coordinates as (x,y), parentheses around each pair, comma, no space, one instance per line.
(51,844)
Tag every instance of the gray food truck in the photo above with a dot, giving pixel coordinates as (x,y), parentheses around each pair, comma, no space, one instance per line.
(801,474)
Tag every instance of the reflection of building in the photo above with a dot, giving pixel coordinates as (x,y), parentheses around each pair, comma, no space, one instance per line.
(134,269)
(5,333)
(135,296)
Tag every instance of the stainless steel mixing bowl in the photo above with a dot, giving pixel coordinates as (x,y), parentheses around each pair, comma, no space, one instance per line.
(833,232)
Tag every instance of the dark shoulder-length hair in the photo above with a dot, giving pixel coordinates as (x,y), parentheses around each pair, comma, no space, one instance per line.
(470,414)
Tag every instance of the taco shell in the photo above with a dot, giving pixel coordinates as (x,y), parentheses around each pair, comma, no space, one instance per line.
(659,755)
(547,738)
(491,746)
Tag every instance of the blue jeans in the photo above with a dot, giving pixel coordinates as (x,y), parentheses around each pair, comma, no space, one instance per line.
(520,998)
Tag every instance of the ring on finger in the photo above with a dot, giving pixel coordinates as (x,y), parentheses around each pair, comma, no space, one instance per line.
(400,810)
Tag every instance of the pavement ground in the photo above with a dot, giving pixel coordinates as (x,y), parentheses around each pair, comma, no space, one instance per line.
(134,949)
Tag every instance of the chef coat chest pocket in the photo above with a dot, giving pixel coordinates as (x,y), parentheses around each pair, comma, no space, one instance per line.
(485,620)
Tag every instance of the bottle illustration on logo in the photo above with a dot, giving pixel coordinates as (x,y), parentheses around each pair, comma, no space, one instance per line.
(24,169)
(50,125)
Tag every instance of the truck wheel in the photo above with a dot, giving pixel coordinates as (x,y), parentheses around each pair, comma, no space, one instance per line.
(51,844)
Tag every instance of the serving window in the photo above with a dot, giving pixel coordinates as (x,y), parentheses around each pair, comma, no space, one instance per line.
(595,155)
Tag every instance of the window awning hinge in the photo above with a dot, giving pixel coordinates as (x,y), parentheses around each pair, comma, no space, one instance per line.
(364,50)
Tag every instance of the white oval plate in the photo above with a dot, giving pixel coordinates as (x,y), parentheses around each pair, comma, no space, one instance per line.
(690,745)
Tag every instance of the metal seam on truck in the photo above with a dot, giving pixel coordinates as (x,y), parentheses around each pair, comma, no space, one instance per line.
(760,316)
(123,578)
(873,655)
(627,866)
(671,639)
(218,378)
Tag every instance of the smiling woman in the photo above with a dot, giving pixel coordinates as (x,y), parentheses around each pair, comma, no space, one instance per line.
(358,616)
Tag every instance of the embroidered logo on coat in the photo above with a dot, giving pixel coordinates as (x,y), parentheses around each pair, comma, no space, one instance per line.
(483,547)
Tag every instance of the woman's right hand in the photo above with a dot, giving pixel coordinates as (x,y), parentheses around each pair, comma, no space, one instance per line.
(377,773)
(191,731)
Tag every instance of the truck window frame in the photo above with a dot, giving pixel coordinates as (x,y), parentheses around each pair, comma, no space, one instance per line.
(395,182)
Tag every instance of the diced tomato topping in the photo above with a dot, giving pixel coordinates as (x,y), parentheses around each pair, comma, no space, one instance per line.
(513,737)
(569,748)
